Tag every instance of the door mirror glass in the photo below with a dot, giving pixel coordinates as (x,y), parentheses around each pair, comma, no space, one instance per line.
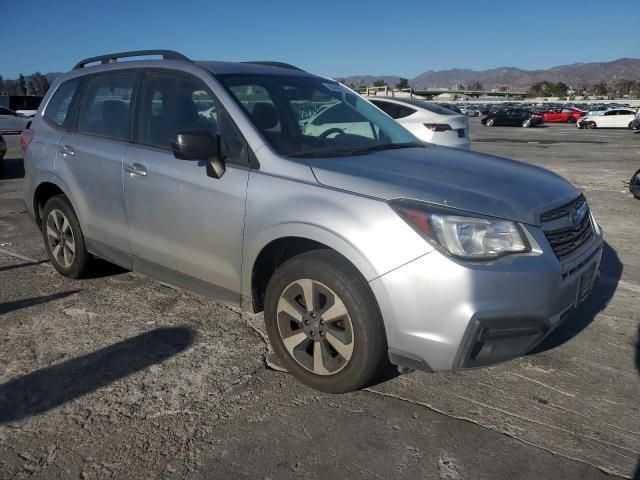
(199,145)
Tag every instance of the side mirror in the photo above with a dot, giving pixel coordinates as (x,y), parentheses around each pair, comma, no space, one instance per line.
(199,145)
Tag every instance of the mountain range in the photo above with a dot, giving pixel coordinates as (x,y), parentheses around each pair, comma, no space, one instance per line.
(574,75)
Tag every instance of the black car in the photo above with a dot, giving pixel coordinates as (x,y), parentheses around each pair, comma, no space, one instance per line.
(634,185)
(450,106)
(516,117)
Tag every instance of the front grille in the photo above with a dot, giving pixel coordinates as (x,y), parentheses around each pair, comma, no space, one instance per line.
(564,236)
(563,211)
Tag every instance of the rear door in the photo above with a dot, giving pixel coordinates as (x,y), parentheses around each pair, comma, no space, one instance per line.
(185,227)
(89,162)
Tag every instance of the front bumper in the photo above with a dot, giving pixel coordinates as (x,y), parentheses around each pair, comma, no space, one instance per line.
(442,314)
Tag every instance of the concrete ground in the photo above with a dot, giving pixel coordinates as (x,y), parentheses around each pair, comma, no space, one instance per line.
(121,376)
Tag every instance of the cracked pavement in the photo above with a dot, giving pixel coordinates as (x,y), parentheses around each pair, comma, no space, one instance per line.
(123,376)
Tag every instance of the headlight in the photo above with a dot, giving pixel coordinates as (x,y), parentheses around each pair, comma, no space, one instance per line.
(461,234)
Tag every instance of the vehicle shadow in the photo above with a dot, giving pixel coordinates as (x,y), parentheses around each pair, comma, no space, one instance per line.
(7,307)
(102,268)
(636,475)
(606,285)
(22,265)
(11,168)
(50,387)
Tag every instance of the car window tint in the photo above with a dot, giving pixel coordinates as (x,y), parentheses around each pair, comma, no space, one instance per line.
(60,104)
(172,102)
(6,111)
(405,112)
(390,109)
(258,103)
(106,105)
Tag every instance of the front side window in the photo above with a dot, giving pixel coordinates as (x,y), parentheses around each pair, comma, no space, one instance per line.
(106,105)
(172,102)
(311,116)
(6,111)
(59,107)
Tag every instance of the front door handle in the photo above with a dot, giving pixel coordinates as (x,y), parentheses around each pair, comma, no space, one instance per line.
(136,169)
(67,150)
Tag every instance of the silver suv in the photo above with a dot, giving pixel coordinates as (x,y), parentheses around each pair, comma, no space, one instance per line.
(362,245)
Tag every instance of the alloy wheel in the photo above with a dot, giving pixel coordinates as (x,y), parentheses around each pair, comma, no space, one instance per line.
(315,327)
(60,238)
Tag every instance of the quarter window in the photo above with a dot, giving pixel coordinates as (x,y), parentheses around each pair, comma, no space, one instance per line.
(60,104)
(106,105)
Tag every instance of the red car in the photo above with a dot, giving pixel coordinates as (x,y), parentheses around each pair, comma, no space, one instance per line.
(566,115)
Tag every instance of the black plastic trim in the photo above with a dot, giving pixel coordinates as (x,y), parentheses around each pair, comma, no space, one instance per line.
(508,330)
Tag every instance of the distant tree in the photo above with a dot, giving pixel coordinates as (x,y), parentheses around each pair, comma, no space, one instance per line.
(379,83)
(558,89)
(2,86)
(503,88)
(536,90)
(599,88)
(11,87)
(22,86)
(476,86)
(403,83)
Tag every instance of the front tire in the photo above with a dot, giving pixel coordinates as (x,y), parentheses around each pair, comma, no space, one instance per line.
(591,125)
(324,323)
(490,123)
(63,239)
(572,120)
(526,123)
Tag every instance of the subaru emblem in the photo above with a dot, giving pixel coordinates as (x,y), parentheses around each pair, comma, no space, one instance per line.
(577,216)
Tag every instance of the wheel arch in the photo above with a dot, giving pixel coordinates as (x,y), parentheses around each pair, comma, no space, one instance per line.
(43,192)
(272,250)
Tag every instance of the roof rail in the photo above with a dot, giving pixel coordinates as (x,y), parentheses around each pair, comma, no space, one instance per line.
(276,64)
(113,57)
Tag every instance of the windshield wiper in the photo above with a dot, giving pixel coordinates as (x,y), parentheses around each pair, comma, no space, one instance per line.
(383,146)
(357,151)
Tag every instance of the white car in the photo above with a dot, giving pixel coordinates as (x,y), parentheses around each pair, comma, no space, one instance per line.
(470,111)
(614,118)
(428,121)
(12,122)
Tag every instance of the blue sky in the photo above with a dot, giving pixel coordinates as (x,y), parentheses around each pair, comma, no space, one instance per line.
(334,38)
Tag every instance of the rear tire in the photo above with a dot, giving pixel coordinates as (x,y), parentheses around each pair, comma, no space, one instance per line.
(526,123)
(63,238)
(591,125)
(323,322)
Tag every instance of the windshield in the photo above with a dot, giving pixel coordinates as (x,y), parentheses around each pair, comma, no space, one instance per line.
(314,117)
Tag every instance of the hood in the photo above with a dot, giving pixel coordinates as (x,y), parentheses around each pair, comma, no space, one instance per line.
(456,178)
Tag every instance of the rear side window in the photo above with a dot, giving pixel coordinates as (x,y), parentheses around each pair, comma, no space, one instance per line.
(106,105)
(59,108)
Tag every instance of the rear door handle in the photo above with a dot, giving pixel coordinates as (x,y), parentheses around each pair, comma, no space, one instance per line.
(67,151)
(136,169)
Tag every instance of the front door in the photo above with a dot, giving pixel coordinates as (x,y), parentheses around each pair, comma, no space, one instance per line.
(185,227)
